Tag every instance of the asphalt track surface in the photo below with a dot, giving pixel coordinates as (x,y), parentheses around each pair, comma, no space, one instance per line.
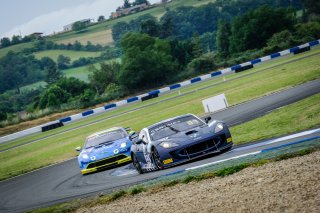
(62,182)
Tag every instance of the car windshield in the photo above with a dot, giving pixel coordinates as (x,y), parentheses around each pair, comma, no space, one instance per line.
(172,127)
(105,138)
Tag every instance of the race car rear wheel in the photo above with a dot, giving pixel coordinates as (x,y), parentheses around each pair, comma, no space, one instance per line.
(156,159)
(136,164)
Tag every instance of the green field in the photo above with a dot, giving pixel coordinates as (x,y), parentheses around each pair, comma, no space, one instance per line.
(100,33)
(73,55)
(83,72)
(33,86)
(94,32)
(15,48)
(263,81)
(79,72)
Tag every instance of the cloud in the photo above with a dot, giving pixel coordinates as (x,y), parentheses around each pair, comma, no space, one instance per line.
(54,21)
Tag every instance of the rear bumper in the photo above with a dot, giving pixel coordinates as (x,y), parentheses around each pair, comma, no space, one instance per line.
(94,169)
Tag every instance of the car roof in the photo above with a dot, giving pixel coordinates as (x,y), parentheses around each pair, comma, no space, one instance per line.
(104,131)
(170,119)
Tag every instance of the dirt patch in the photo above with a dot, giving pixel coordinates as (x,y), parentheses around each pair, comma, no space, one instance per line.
(286,186)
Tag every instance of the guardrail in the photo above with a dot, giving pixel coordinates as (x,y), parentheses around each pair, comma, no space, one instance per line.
(158,92)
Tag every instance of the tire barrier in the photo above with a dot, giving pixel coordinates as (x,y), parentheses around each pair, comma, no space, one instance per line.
(51,126)
(302,50)
(159,92)
(241,69)
(148,97)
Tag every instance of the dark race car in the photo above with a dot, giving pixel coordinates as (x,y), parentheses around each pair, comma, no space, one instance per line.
(177,140)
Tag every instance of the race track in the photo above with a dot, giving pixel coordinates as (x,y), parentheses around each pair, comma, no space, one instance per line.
(63,181)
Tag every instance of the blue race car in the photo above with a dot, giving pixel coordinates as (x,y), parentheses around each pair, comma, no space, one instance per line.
(105,149)
(177,140)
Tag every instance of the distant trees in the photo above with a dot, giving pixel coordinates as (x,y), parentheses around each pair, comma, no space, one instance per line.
(101,77)
(222,39)
(119,30)
(126,4)
(5,42)
(63,61)
(101,18)
(79,26)
(15,39)
(138,2)
(253,29)
(17,70)
(312,6)
(61,92)
(53,74)
(146,62)
(150,27)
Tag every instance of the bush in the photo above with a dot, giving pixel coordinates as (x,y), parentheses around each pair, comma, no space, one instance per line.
(307,31)
(203,64)
(279,41)
(3,116)
(114,91)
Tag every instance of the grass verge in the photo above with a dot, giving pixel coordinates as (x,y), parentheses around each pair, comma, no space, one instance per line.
(304,114)
(104,199)
(61,146)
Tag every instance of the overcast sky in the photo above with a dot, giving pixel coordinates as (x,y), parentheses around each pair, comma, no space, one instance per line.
(27,16)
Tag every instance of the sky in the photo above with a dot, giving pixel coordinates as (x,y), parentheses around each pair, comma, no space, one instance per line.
(23,17)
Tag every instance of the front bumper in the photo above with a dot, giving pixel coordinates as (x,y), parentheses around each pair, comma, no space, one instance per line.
(105,163)
(216,144)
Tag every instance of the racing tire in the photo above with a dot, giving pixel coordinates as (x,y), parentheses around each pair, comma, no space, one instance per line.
(136,164)
(156,159)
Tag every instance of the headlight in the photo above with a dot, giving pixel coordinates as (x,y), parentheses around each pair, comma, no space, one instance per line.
(123,145)
(168,145)
(218,128)
(85,156)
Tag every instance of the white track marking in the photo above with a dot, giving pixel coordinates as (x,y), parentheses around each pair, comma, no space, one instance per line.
(219,161)
(277,140)
(309,132)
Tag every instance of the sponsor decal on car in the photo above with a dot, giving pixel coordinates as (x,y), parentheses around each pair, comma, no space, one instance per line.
(167,161)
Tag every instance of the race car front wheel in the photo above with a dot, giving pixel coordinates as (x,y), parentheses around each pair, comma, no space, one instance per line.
(156,159)
(136,164)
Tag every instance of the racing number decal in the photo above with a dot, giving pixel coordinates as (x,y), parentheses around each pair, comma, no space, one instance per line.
(149,166)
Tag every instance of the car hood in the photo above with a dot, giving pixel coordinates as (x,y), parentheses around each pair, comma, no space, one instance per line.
(188,136)
(105,149)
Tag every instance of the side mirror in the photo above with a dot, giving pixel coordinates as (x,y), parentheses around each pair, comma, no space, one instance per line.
(138,142)
(78,149)
(207,119)
(132,135)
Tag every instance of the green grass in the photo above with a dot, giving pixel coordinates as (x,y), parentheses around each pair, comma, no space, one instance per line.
(61,147)
(73,205)
(78,72)
(83,72)
(304,114)
(33,86)
(73,55)
(15,48)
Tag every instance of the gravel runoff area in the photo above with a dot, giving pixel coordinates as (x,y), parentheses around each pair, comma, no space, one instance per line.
(291,185)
